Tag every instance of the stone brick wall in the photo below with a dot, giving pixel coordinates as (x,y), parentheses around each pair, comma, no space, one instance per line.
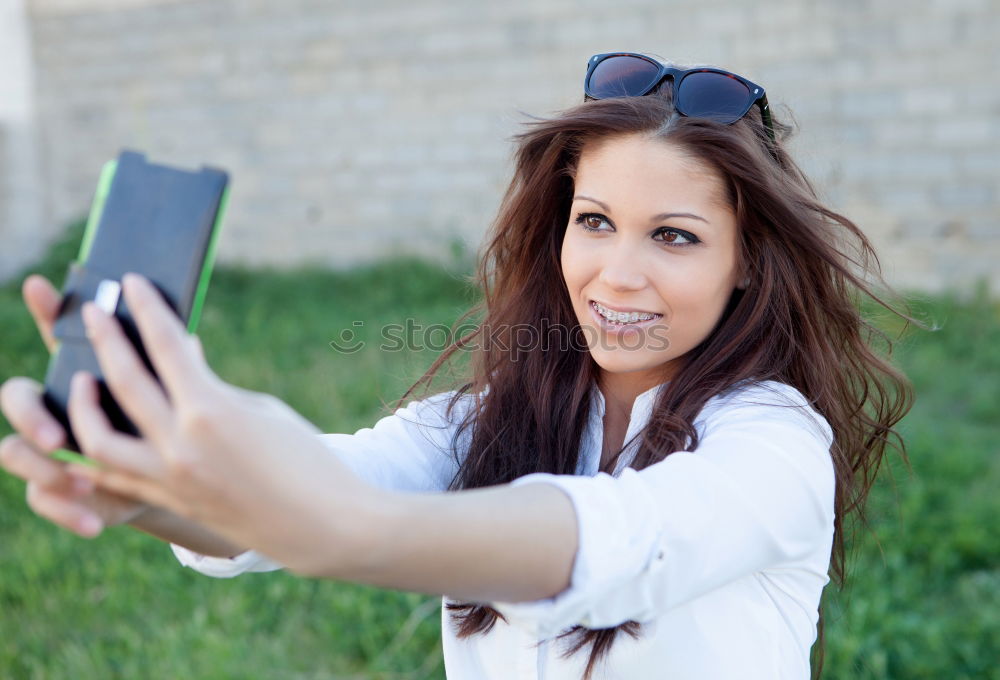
(22,201)
(354,129)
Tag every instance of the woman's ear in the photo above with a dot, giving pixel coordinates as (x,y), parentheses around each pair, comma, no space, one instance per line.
(742,285)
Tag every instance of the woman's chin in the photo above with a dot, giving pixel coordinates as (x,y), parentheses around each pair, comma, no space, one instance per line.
(625,361)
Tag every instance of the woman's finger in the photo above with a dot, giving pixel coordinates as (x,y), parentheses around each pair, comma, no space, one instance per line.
(63,511)
(42,300)
(127,485)
(21,402)
(198,348)
(171,349)
(21,459)
(99,440)
(133,387)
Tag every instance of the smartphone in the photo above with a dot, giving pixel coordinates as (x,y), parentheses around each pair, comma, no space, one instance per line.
(159,221)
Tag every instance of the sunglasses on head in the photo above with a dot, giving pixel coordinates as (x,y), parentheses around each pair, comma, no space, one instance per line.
(698,92)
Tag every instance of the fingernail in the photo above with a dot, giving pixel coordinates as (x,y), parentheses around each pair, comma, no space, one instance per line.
(133,281)
(91,314)
(89,525)
(49,436)
(78,382)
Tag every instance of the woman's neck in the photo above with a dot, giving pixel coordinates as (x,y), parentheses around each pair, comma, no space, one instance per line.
(621,389)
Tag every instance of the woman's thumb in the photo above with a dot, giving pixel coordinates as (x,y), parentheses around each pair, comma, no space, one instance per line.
(198,347)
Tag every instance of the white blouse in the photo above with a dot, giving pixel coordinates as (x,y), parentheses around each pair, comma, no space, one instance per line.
(721,553)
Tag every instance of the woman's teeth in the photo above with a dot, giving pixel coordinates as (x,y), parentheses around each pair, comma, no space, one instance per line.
(622,317)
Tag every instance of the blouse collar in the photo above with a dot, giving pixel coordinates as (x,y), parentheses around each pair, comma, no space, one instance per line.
(642,405)
(642,408)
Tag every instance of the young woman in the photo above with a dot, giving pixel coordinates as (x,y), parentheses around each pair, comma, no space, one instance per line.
(672,408)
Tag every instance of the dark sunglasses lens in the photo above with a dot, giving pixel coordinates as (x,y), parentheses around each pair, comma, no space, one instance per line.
(621,76)
(705,94)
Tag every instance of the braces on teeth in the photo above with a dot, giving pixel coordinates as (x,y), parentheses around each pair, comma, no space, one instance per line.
(622,317)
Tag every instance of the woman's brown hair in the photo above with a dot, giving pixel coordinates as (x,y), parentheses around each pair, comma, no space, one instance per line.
(799,322)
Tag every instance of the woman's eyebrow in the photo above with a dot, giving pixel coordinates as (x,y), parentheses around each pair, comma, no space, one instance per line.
(654,218)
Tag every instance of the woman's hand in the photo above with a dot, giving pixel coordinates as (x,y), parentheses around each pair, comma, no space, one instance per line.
(42,300)
(242,463)
(72,503)
(53,493)
(249,468)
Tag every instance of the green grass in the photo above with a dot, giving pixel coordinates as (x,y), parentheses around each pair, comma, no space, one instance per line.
(924,593)
(924,600)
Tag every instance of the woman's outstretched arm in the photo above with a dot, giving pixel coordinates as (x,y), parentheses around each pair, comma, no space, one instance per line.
(509,543)
(249,468)
(756,498)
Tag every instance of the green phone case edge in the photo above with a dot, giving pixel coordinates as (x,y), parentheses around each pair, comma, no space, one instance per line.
(97,208)
(209,263)
(67,456)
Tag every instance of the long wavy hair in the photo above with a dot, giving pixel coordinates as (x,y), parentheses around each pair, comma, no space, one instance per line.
(799,322)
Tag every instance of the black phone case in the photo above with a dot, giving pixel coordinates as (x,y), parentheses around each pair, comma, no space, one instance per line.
(157,221)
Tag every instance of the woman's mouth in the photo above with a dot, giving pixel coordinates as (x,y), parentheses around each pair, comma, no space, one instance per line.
(612,319)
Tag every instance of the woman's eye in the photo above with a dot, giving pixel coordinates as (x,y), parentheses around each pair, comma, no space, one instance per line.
(676,237)
(590,221)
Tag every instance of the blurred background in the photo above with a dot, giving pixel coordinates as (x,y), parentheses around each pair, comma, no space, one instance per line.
(369,143)
(356,129)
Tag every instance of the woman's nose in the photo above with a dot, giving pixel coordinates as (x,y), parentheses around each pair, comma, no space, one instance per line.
(622,268)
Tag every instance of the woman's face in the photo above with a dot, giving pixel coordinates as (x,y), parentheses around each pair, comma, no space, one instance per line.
(663,250)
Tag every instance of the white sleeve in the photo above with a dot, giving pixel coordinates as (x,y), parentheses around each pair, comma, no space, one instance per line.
(758,492)
(410,450)
(223,567)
